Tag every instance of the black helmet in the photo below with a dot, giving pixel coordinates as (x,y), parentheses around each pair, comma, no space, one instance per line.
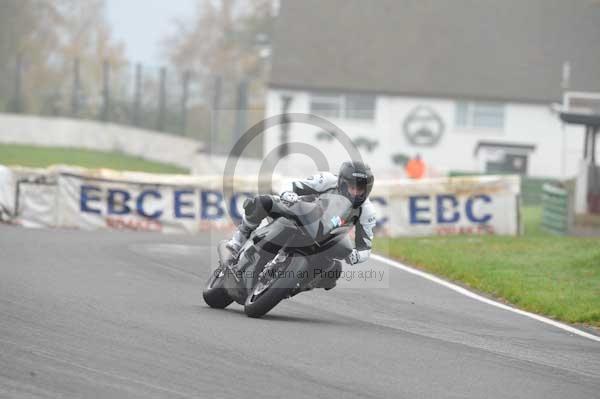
(357,174)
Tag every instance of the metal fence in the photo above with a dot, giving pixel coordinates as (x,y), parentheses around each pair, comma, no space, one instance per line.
(212,109)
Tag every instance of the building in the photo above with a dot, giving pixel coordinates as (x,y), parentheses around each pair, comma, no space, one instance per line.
(467,84)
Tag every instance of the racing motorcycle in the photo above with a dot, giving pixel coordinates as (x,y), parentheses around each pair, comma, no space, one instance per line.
(292,253)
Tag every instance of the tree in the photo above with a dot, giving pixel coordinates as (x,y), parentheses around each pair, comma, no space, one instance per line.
(225,39)
(48,35)
(222,38)
(86,36)
(25,28)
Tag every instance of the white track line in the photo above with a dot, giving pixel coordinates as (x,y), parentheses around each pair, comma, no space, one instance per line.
(480,298)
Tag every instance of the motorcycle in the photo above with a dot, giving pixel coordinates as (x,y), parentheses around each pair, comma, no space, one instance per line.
(301,245)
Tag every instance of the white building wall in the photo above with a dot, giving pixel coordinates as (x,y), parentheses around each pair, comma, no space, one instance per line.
(558,148)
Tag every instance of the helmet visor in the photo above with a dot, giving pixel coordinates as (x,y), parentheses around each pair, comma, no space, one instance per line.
(357,189)
(354,189)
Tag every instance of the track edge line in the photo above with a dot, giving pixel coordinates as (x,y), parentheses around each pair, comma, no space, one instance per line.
(477,297)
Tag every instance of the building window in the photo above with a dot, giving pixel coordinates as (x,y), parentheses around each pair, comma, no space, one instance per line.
(484,115)
(360,107)
(326,106)
(343,106)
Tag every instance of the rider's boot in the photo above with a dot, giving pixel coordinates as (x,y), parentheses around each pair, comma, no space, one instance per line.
(241,235)
(333,274)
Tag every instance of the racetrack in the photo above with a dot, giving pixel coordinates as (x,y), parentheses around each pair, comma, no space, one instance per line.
(104,314)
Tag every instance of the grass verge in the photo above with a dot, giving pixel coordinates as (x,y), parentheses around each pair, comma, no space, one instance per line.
(40,157)
(556,276)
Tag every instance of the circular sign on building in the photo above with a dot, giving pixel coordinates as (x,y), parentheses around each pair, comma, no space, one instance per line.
(423,126)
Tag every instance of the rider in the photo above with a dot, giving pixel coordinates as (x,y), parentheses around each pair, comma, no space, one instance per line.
(354,181)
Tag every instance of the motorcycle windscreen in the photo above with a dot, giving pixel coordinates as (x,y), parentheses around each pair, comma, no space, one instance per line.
(328,212)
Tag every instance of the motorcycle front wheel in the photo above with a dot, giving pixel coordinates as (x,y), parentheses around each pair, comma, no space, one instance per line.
(265,296)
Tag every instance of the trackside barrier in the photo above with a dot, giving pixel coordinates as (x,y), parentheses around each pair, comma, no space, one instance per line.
(557,215)
(105,199)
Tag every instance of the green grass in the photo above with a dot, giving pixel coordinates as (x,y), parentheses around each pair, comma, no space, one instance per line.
(40,157)
(551,275)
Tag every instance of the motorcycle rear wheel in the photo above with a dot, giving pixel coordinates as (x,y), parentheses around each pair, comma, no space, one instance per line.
(215,294)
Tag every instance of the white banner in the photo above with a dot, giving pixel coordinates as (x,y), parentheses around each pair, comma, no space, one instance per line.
(78,198)
(168,204)
(449,206)
(7,193)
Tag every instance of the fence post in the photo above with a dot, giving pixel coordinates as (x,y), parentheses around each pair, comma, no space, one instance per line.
(593,144)
(286,101)
(76,89)
(105,91)
(137,95)
(241,110)
(586,142)
(216,105)
(17,102)
(160,123)
(184,101)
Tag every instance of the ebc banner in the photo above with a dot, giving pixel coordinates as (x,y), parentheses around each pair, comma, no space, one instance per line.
(477,205)
(193,204)
(93,203)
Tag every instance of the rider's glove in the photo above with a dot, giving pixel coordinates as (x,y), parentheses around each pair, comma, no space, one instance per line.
(353,258)
(289,197)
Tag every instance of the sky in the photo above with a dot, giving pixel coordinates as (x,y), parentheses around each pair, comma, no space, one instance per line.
(141,25)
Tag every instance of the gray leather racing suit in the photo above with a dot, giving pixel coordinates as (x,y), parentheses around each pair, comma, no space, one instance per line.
(327,182)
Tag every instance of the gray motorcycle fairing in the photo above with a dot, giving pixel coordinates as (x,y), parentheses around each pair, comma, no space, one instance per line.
(315,248)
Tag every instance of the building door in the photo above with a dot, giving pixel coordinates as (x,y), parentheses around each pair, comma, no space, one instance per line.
(503,158)
(510,163)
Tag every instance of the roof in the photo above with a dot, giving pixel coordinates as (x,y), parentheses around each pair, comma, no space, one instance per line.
(580,119)
(504,50)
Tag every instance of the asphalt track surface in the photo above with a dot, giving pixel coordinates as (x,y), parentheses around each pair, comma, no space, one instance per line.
(112,315)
